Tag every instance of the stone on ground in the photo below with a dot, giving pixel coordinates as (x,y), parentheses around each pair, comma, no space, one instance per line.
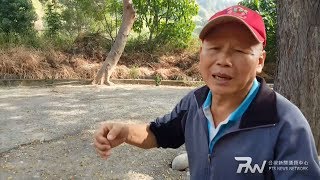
(180,162)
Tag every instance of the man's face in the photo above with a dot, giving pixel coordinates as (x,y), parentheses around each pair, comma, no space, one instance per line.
(230,58)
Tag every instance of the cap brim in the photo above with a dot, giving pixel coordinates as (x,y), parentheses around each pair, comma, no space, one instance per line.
(225,19)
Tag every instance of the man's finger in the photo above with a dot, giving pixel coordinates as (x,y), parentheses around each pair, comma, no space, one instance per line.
(104,154)
(102,147)
(102,140)
(113,133)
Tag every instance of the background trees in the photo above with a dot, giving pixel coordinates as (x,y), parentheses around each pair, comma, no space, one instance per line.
(16,16)
(160,23)
(17,21)
(298,72)
(109,64)
(268,10)
(166,21)
(53,19)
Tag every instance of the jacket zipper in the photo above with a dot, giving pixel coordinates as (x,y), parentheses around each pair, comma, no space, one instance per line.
(238,130)
(209,165)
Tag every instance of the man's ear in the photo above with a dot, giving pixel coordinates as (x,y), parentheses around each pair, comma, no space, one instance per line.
(262,58)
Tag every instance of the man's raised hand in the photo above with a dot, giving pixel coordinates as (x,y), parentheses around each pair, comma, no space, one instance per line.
(109,136)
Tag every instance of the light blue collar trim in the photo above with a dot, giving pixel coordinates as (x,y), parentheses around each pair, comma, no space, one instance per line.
(214,134)
(236,115)
(243,106)
(208,101)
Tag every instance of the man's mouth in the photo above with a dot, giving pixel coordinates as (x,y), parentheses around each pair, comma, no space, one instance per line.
(221,77)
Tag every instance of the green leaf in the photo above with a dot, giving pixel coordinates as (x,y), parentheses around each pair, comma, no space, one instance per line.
(257,3)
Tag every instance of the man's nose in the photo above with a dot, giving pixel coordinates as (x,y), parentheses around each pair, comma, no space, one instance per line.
(224,60)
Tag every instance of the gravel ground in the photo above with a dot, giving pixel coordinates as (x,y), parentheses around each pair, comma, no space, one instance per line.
(46,132)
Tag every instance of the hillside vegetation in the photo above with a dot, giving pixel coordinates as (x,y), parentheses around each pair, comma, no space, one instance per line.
(70,39)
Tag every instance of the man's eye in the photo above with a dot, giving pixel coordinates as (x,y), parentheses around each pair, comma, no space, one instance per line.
(240,51)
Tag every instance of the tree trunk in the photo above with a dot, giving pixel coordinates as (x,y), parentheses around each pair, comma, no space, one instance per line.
(298,73)
(103,75)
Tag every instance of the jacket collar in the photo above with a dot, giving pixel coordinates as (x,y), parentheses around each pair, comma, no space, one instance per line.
(262,110)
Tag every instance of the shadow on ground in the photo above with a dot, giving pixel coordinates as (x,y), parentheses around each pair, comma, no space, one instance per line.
(46,132)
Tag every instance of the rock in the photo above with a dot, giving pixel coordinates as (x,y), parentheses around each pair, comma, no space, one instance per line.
(180,162)
(188,175)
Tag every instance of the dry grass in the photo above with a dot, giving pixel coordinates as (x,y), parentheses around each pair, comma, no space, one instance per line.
(193,72)
(172,73)
(84,69)
(121,72)
(146,73)
(24,63)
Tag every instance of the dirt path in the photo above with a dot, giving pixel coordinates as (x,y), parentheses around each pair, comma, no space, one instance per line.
(46,133)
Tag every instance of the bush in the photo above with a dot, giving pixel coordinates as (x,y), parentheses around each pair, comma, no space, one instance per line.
(134,73)
(167,22)
(13,39)
(17,16)
(17,23)
(53,19)
(61,42)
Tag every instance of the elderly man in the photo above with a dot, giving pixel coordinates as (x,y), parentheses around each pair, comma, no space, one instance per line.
(235,127)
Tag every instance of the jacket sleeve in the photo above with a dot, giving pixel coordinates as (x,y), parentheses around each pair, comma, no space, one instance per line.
(296,146)
(169,129)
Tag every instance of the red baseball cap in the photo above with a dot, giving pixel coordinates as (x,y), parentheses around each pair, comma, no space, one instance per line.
(251,19)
